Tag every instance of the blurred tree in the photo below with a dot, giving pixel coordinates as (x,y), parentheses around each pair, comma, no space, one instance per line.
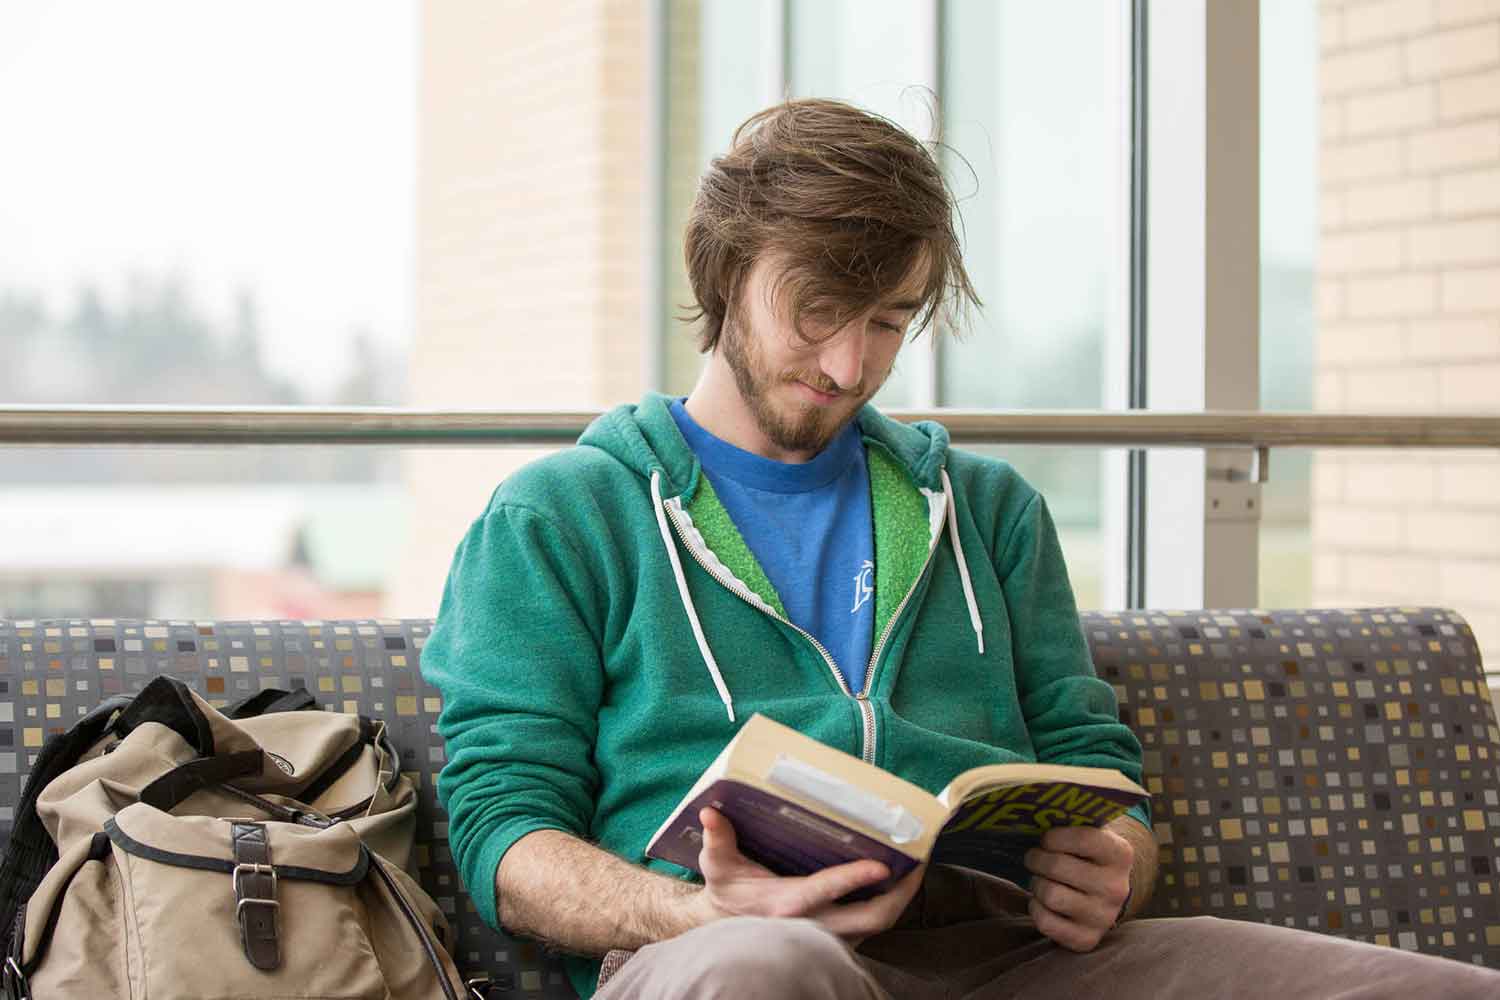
(375,377)
(157,345)
(23,322)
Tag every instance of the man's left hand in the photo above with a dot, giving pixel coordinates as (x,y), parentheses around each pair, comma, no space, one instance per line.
(1080,880)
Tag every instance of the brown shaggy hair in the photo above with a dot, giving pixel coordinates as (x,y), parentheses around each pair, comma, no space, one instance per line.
(848,204)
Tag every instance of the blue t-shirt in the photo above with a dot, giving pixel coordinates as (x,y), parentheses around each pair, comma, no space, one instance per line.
(810,527)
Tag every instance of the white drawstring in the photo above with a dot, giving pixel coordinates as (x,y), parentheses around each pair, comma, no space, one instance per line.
(687,598)
(692,612)
(963,566)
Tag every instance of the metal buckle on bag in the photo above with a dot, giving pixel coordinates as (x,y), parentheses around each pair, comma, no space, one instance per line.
(239,909)
(479,987)
(16,987)
(253,868)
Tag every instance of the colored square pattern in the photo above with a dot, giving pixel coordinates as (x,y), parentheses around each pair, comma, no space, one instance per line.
(1332,771)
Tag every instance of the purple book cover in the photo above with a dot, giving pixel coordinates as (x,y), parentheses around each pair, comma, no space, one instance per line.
(778,834)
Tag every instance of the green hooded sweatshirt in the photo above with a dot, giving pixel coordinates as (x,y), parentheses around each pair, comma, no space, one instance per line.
(605,630)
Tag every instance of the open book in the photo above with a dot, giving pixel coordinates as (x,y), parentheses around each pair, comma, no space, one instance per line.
(798,806)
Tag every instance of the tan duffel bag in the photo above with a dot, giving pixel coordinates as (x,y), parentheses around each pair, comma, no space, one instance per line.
(203,856)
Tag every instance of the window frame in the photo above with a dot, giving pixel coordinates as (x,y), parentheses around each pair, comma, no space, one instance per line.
(1191,292)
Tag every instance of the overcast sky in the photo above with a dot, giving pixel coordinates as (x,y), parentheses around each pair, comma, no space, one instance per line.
(267,145)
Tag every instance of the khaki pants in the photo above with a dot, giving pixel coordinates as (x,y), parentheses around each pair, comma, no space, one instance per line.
(970,938)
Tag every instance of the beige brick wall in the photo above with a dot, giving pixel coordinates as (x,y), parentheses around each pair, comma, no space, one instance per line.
(1409,300)
(530,185)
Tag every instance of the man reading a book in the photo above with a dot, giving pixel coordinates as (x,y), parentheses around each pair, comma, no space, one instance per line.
(772,543)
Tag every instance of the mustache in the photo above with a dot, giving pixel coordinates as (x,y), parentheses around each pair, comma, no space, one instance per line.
(822,382)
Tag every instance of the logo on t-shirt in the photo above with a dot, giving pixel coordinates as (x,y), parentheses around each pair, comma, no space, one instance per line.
(864,586)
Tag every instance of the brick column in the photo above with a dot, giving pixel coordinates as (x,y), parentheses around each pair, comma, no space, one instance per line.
(1409,300)
(530,271)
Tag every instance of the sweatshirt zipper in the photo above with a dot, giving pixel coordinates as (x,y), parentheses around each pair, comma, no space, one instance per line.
(866,710)
(885,634)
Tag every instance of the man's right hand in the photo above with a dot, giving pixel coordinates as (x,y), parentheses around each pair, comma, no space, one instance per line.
(735,886)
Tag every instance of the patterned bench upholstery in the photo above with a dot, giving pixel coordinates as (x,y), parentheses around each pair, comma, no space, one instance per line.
(1336,771)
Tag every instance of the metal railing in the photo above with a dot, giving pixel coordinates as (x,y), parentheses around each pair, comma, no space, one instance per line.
(77,426)
(139,425)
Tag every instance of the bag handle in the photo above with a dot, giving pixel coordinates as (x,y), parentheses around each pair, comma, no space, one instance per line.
(269,700)
(168,790)
(168,701)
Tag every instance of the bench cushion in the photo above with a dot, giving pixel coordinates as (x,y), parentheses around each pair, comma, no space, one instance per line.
(1334,771)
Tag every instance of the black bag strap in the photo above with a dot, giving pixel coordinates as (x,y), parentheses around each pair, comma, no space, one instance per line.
(167,790)
(271,700)
(371,733)
(255,902)
(30,853)
(167,700)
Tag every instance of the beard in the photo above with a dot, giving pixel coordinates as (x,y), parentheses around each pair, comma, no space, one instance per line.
(800,426)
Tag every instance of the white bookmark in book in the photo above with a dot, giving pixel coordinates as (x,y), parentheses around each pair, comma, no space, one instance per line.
(890,818)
